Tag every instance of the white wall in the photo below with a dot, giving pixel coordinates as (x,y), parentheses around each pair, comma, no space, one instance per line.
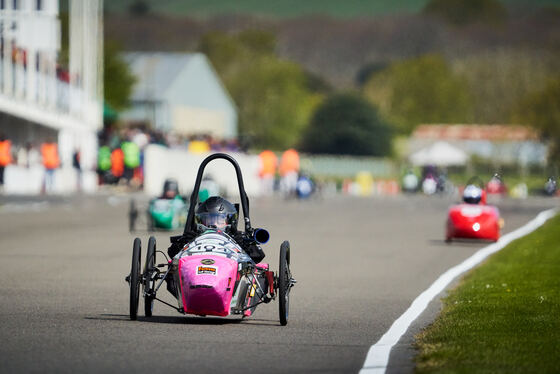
(29,181)
(161,163)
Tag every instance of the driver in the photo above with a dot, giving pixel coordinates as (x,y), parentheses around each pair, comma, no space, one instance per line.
(472,194)
(218,213)
(170,189)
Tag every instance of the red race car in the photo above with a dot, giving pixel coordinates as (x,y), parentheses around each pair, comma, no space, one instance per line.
(496,186)
(473,219)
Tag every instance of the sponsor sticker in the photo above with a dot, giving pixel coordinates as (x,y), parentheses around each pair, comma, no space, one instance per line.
(207,261)
(212,270)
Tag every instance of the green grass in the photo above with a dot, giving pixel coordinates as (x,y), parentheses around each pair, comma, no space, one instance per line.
(282,8)
(289,8)
(504,317)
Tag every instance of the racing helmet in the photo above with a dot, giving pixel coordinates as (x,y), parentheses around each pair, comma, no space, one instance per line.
(170,188)
(472,194)
(216,212)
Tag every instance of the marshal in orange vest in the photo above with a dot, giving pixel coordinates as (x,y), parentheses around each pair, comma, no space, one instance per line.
(5,152)
(49,151)
(269,161)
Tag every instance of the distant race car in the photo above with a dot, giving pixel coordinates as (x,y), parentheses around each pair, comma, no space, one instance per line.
(473,219)
(304,187)
(429,185)
(551,187)
(166,212)
(496,186)
(410,182)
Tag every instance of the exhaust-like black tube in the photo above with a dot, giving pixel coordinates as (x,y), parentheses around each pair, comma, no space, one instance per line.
(261,236)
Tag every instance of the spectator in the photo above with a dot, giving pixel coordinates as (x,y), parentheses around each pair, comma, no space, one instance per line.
(117,164)
(76,165)
(22,157)
(197,145)
(289,169)
(141,139)
(33,156)
(268,164)
(5,157)
(103,162)
(131,159)
(51,161)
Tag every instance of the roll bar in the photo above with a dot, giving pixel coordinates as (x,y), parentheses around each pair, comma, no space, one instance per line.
(476,179)
(190,224)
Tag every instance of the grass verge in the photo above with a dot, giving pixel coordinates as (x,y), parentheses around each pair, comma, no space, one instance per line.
(504,317)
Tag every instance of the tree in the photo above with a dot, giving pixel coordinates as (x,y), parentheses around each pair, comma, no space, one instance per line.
(347,124)
(118,80)
(499,79)
(542,110)
(273,96)
(462,12)
(421,90)
(139,8)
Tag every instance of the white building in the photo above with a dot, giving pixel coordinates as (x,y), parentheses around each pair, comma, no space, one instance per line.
(503,144)
(35,102)
(180,92)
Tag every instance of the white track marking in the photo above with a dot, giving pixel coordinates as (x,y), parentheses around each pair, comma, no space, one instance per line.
(378,355)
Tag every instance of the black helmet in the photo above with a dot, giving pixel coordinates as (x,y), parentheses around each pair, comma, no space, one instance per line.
(217,212)
(170,188)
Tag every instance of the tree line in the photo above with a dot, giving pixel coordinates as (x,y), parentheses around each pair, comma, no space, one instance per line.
(283,103)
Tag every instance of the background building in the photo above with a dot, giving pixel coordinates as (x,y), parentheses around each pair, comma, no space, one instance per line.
(499,143)
(40,100)
(180,92)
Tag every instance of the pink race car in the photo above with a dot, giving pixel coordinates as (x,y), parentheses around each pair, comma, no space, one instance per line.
(473,219)
(214,269)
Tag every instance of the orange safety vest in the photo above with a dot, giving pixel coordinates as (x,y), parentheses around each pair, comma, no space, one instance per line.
(289,162)
(117,162)
(5,153)
(269,162)
(49,151)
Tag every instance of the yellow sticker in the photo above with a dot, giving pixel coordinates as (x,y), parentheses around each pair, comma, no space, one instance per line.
(206,270)
(253,288)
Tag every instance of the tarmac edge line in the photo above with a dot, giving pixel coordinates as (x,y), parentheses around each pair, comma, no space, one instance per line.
(377,358)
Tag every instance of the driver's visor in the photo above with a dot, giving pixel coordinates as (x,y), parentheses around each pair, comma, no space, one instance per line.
(216,220)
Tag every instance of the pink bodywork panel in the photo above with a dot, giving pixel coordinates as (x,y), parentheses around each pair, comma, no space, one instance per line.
(207,287)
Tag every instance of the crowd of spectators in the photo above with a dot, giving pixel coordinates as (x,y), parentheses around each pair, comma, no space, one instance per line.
(31,156)
(121,152)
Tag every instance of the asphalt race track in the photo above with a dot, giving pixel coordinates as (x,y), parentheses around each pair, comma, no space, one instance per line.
(359,264)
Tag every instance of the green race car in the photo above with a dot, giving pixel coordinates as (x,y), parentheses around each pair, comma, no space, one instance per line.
(166,212)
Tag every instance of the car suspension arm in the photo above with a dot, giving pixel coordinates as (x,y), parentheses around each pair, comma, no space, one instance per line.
(162,279)
(180,310)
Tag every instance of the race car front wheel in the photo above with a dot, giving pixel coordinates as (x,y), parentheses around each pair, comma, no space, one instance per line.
(135,279)
(284,283)
(149,282)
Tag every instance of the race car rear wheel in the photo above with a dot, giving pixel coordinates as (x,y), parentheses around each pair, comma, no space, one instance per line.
(284,279)
(135,279)
(149,283)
